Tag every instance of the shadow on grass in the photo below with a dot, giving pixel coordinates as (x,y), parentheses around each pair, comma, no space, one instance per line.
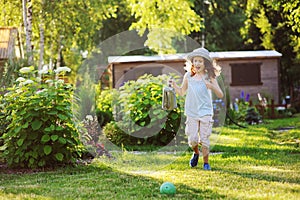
(280,159)
(91,182)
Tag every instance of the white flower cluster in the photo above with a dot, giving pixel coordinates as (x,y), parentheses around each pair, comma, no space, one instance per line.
(89,117)
(26,82)
(25,70)
(44,70)
(62,69)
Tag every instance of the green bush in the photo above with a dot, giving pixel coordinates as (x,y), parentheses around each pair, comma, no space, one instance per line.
(11,72)
(103,117)
(105,102)
(41,131)
(139,118)
(117,135)
(3,122)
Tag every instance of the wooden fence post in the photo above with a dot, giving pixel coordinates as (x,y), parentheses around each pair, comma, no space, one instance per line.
(272,109)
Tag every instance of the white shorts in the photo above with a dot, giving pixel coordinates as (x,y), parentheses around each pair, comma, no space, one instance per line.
(199,126)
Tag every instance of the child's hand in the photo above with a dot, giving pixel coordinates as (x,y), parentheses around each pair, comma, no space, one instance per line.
(209,84)
(171,82)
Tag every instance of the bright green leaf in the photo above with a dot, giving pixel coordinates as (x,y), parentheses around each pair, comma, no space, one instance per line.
(62,117)
(54,137)
(45,138)
(59,128)
(174,116)
(36,124)
(41,163)
(52,112)
(20,142)
(59,156)
(25,125)
(31,161)
(47,149)
(17,129)
(142,123)
(62,140)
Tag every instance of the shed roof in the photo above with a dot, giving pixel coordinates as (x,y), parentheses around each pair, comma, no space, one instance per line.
(8,40)
(182,56)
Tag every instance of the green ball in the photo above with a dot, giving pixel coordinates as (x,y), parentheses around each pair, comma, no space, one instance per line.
(167,188)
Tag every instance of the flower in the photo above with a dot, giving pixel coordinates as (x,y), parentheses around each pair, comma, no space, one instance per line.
(25,70)
(62,69)
(60,81)
(41,91)
(247,97)
(242,96)
(89,117)
(38,79)
(43,71)
(49,81)
(28,81)
(20,79)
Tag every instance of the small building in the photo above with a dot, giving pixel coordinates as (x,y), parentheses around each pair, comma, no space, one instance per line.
(249,71)
(10,46)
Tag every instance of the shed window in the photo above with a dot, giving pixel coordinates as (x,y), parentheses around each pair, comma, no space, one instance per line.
(245,74)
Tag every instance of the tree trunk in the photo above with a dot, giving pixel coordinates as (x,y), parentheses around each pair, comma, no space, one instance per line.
(42,37)
(58,63)
(27,18)
(42,46)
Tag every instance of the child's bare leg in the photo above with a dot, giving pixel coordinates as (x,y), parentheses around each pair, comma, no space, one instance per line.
(196,150)
(205,152)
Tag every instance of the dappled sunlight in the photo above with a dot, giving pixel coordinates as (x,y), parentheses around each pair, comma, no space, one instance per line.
(226,139)
(268,169)
(141,162)
(22,196)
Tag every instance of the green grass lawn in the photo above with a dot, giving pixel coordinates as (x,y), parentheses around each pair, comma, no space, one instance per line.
(259,162)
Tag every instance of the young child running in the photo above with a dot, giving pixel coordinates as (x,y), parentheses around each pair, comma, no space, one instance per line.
(197,84)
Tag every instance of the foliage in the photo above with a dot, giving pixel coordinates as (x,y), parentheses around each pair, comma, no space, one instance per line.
(72,25)
(11,72)
(84,103)
(103,117)
(163,23)
(252,117)
(3,122)
(106,100)
(275,25)
(137,113)
(105,106)
(41,131)
(117,136)
(238,110)
(241,111)
(222,22)
(90,135)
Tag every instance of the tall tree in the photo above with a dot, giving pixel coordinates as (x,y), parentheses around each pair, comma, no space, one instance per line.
(164,21)
(69,26)
(274,24)
(222,23)
(27,17)
(42,36)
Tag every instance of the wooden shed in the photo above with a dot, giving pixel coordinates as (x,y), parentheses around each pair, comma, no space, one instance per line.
(10,46)
(249,71)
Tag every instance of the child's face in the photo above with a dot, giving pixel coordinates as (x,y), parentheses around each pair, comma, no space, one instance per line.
(198,63)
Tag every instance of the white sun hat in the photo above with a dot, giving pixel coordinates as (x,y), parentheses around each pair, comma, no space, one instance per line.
(201,52)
